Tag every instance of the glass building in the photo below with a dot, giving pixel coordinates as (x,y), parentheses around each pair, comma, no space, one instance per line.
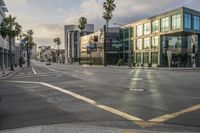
(149,40)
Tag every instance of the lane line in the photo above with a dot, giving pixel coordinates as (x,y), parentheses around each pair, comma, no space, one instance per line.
(142,123)
(132,118)
(34,71)
(167,117)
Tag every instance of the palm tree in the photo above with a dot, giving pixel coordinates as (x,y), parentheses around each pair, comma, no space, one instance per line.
(57,41)
(109,7)
(10,28)
(28,37)
(82,24)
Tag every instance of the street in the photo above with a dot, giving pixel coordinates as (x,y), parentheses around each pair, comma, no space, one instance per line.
(107,97)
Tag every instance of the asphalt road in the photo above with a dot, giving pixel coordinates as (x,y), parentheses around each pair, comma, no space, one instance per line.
(107,97)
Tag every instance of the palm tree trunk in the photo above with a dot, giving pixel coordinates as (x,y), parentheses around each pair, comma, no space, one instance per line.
(105,43)
(10,53)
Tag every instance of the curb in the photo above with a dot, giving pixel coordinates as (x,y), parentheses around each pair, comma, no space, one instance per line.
(10,74)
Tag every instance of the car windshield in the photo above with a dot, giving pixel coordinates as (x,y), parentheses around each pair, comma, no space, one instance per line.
(89,66)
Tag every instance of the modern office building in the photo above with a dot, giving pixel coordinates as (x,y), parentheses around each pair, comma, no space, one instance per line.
(72,41)
(153,40)
(4,46)
(92,47)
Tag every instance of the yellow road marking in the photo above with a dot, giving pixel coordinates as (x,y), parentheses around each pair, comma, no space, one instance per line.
(134,119)
(167,117)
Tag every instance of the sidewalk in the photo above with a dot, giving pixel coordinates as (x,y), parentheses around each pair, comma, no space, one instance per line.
(143,68)
(8,72)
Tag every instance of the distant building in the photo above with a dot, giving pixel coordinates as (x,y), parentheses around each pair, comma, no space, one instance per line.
(34,52)
(72,41)
(176,31)
(92,47)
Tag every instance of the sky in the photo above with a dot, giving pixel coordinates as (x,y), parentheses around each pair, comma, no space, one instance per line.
(48,17)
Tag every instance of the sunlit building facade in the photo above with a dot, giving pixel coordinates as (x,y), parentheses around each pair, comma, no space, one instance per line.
(72,41)
(150,39)
(92,47)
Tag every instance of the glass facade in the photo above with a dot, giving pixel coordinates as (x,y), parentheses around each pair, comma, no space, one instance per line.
(139,44)
(176,21)
(155,41)
(132,31)
(155,26)
(138,58)
(147,29)
(187,21)
(139,30)
(196,22)
(147,43)
(154,57)
(165,24)
(146,57)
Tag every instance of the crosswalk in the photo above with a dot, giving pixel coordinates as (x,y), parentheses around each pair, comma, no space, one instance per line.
(35,72)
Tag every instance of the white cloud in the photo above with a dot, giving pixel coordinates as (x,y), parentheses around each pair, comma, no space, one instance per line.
(46,27)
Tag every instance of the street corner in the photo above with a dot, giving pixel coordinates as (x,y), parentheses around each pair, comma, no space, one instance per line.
(9,74)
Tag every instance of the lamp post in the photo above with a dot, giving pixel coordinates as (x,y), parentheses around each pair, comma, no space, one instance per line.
(129,47)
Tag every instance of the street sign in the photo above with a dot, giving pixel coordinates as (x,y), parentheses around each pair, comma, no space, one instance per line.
(169,57)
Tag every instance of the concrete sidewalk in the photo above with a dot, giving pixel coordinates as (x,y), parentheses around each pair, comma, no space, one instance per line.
(144,68)
(7,72)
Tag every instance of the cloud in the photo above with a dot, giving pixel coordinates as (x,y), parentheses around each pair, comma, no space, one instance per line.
(48,17)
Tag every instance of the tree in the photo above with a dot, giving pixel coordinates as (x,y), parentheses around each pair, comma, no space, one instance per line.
(82,24)
(10,28)
(109,7)
(57,41)
(28,38)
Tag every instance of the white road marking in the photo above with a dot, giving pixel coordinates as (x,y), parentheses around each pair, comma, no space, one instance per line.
(137,79)
(34,71)
(52,69)
(135,119)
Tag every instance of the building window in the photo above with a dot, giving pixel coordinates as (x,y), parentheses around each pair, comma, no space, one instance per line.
(132,31)
(176,21)
(147,28)
(147,43)
(138,58)
(155,26)
(146,57)
(165,24)
(139,44)
(187,21)
(126,33)
(139,30)
(155,42)
(154,57)
(126,45)
(196,23)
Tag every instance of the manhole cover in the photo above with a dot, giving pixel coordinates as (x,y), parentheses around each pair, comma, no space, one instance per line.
(137,90)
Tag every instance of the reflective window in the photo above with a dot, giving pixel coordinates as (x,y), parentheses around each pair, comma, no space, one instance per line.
(139,30)
(132,31)
(147,28)
(155,42)
(146,57)
(139,44)
(155,26)
(165,24)
(196,23)
(147,43)
(176,21)
(187,21)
